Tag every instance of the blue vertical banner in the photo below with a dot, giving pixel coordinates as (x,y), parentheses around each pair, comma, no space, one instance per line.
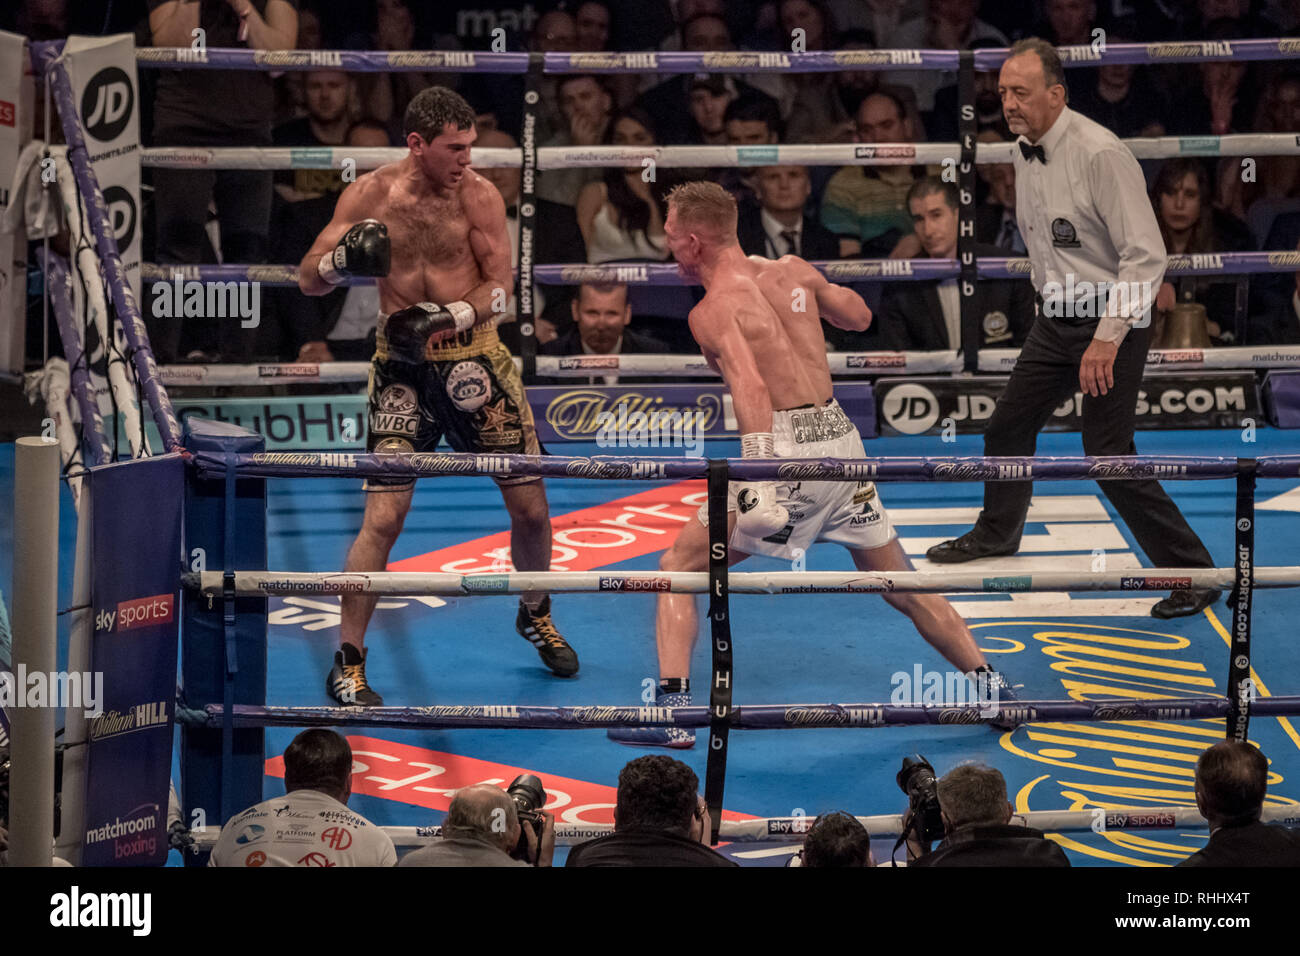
(136,511)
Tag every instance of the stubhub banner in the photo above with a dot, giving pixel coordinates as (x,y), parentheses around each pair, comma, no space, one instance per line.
(639,418)
(135,582)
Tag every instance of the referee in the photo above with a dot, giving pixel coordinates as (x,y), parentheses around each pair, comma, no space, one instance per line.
(1082,207)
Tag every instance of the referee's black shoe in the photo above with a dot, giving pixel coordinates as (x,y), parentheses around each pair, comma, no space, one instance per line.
(966,548)
(1185,602)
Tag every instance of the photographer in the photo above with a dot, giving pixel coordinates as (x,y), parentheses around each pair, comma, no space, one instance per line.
(659,820)
(483,829)
(976,820)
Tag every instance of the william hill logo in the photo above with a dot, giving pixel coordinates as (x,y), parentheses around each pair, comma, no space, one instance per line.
(579,414)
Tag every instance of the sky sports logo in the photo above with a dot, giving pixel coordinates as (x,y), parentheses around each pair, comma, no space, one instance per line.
(1154,584)
(141,612)
(634,584)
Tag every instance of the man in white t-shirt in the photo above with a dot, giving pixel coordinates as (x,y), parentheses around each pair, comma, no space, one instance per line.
(311,824)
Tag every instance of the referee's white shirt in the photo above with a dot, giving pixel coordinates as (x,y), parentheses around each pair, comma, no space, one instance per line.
(1085,213)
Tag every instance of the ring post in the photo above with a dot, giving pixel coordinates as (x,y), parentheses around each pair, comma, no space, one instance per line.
(35,647)
(524,305)
(222,770)
(1241,689)
(715,774)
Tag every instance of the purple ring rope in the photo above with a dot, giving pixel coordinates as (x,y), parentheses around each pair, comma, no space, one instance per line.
(44,59)
(745,717)
(93,439)
(628,468)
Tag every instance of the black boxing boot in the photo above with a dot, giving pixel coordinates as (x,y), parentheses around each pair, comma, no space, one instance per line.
(364,250)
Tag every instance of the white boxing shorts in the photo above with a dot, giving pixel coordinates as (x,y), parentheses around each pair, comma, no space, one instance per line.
(845,512)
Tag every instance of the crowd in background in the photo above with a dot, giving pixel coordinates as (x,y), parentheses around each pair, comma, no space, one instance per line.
(614,214)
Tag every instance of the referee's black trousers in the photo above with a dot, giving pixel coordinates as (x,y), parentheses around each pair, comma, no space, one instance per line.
(1046,374)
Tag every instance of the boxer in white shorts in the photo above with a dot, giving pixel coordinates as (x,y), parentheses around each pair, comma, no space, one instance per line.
(758,326)
(845,512)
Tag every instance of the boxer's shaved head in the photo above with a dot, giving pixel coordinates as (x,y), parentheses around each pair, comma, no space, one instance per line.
(704,206)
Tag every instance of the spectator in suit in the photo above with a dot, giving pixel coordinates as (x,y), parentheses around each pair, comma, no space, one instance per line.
(995,216)
(837,840)
(927,315)
(659,820)
(482,829)
(1231,783)
(601,314)
(1190,224)
(1270,291)
(749,121)
(866,206)
(977,825)
(778,225)
(1278,323)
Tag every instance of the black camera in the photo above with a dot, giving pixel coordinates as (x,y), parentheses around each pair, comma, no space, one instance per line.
(916,779)
(529,796)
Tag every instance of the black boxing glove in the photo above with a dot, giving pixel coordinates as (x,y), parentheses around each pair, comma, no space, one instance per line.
(363,251)
(408,331)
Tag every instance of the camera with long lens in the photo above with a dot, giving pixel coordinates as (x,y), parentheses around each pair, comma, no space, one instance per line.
(529,797)
(916,779)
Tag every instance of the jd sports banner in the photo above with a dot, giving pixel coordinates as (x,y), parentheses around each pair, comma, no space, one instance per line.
(102,71)
(925,406)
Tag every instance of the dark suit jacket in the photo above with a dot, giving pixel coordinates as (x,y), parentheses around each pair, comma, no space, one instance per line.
(1255,844)
(1276,326)
(816,242)
(644,848)
(995,846)
(911,317)
(1267,288)
(634,343)
(988,224)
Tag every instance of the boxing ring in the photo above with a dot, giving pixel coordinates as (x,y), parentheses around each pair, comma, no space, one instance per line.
(231,478)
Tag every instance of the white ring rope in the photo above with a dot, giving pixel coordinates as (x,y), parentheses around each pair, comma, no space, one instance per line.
(86,264)
(686,157)
(693,366)
(793,829)
(429,583)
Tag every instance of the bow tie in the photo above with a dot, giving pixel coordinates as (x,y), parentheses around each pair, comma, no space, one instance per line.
(1032,152)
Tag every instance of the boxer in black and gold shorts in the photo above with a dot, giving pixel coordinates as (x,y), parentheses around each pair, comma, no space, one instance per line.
(467,390)
(432,232)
